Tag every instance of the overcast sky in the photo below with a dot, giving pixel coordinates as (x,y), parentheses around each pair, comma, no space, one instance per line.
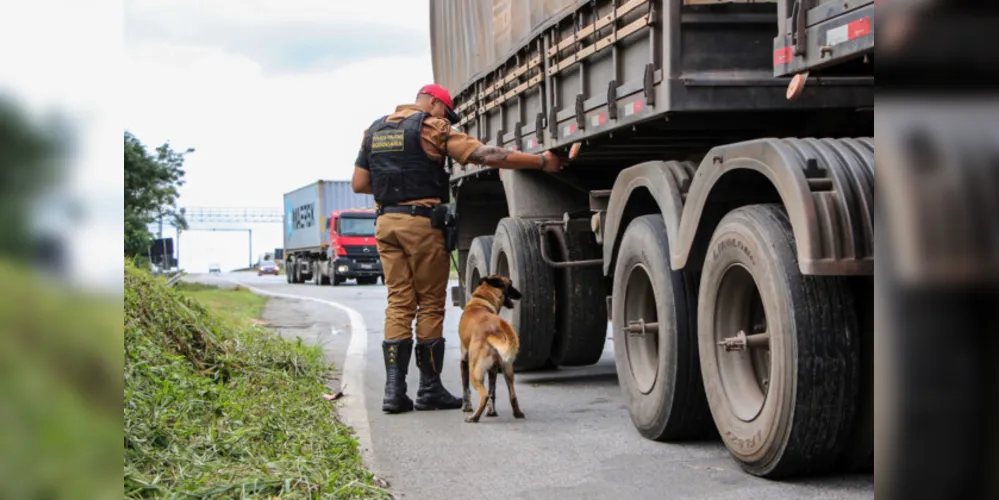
(272,94)
(62,56)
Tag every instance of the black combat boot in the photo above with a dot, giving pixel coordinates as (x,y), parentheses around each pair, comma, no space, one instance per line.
(432,395)
(397,354)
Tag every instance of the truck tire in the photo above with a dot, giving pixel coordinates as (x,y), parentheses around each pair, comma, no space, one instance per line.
(580,303)
(658,372)
(317,277)
(477,263)
(288,273)
(517,255)
(784,397)
(335,279)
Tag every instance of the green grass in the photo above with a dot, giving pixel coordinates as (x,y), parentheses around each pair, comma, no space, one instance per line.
(59,388)
(239,304)
(216,407)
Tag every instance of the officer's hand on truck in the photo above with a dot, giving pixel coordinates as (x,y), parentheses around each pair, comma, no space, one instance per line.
(552,163)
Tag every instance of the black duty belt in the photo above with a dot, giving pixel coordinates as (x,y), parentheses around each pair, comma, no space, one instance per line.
(406,209)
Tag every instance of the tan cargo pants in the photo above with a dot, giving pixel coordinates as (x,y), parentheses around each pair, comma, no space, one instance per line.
(416,268)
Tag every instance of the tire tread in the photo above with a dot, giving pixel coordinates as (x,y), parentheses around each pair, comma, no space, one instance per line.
(582,317)
(826,353)
(687,417)
(824,430)
(537,322)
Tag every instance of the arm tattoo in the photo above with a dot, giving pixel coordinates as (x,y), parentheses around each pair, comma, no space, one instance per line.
(486,155)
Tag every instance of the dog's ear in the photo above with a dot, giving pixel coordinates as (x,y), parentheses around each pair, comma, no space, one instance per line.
(509,295)
(507,303)
(494,282)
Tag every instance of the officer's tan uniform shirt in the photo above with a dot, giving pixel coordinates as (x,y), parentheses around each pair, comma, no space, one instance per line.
(436,135)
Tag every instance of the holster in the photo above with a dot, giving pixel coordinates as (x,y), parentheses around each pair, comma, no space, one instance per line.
(446,220)
(438,217)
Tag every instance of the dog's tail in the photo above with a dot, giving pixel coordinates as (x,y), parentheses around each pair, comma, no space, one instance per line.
(506,350)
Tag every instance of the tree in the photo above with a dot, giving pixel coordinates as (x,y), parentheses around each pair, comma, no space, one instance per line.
(32,162)
(152,183)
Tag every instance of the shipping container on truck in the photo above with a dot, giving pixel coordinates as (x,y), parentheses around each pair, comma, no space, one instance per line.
(719,213)
(309,248)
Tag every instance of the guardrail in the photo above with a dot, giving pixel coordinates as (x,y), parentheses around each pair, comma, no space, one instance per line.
(174,278)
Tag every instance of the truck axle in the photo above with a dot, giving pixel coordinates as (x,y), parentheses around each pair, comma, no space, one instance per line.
(742,342)
(640,328)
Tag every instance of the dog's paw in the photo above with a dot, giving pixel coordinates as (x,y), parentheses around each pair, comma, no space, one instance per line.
(492,414)
(519,414)
(471,420)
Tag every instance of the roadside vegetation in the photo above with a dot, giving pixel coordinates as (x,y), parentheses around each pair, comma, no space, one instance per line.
(216,406)
(59,388)
(239,305)
(152,186)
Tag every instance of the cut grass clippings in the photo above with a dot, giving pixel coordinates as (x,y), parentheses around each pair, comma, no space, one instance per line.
(217,408)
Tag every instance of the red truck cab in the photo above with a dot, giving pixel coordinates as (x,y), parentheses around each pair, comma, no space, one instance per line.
(353,253)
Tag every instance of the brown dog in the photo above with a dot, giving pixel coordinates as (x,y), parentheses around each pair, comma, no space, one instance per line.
(488,344)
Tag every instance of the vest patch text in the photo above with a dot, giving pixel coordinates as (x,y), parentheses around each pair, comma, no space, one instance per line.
(388,141)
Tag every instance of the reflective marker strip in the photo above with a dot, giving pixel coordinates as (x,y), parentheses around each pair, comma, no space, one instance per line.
(860,28)
(783,56)
(842,34)
(633,108)
(598,120)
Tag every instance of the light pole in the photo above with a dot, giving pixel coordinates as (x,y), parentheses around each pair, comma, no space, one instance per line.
(183,215)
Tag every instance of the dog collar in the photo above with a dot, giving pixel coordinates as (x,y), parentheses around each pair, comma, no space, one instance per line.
(486,303)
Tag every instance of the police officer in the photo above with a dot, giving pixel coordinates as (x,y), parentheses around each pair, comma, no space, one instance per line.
(401,162)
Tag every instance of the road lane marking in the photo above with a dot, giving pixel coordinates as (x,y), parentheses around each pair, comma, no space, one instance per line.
(354,410)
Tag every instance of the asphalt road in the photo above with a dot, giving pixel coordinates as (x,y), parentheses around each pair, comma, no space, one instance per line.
(577,441)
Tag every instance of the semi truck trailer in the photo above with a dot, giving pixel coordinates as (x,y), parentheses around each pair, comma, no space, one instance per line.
(329,235)
(719,213)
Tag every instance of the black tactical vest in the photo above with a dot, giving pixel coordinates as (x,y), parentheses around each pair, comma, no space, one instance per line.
(400,168)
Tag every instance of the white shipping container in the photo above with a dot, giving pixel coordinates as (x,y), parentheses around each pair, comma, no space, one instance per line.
(307,209)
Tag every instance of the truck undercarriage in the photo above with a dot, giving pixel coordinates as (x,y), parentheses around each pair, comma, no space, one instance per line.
(719,215)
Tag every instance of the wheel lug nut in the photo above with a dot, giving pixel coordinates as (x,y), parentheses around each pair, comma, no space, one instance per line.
(737,343)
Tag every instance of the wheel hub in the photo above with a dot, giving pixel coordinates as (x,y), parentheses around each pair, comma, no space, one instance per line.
(742,342)
(638,329)
(743,358)
(642,329)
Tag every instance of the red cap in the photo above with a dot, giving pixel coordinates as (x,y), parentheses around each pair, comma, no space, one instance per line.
(441,94)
